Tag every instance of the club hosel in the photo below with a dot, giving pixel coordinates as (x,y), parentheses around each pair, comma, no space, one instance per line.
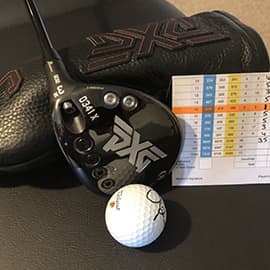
(58,77)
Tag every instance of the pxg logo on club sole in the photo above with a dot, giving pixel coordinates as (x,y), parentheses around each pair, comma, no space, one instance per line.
(126,142)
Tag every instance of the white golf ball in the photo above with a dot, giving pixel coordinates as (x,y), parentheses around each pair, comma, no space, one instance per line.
(135,215)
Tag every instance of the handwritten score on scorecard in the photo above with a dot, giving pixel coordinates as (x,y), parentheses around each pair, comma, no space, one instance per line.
(225,120)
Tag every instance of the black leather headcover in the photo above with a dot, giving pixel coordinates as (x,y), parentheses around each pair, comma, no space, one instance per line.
(142,57)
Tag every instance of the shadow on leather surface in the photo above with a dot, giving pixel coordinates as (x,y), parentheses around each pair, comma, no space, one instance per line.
(164,186)
(56,176)
(177,229)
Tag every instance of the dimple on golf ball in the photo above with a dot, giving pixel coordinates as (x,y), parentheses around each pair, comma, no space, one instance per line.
(135,215)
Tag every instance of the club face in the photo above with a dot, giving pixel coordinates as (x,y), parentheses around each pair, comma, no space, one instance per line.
(113,136)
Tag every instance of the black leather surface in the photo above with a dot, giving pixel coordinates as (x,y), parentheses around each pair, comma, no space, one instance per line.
(49,221)
(52,227)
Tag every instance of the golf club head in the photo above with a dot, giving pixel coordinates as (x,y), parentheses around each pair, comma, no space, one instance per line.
(111,135)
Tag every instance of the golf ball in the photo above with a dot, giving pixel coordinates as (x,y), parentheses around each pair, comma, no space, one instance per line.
(135,215)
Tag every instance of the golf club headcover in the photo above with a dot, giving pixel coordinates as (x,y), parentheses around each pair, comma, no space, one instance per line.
(143,57)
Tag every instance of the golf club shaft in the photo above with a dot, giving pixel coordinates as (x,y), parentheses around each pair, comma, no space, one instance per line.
(49,53)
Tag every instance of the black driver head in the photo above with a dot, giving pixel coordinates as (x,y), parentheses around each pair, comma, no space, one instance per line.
(111,135)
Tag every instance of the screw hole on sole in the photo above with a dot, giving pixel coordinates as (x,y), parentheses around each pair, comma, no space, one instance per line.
(108,183)
(99,172)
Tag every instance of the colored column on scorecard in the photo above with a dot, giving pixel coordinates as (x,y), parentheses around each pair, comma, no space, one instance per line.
(208,103)
(231,124)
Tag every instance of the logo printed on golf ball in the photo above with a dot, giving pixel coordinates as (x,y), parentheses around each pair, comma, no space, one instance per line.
(118,199)
(135,215)
(112,204)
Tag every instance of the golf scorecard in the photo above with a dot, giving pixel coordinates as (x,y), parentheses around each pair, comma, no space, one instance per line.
(225,121)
